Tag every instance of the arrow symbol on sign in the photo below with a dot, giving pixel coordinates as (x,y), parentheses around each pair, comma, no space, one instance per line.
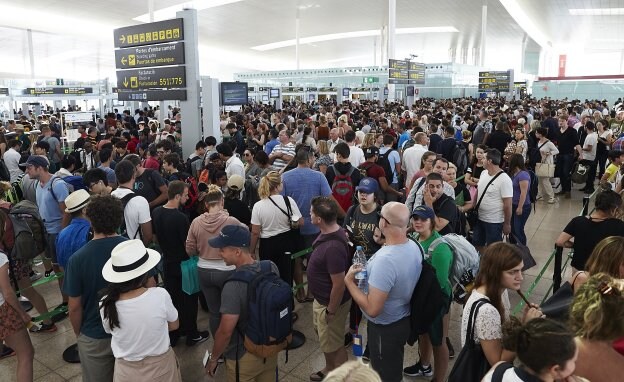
(122,38)
(125,82)
(123,61)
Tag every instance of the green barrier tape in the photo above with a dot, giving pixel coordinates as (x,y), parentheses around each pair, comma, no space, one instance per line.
(42,281)
(299,286)
(301,253)
(563,269)
(55,311)
(534,284)
(460,178)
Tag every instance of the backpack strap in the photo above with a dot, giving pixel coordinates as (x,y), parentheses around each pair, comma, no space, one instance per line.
(420,184)
(499,371)
(124,202)
(485,190)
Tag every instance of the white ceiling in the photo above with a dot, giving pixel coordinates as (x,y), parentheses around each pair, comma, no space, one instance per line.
(73,38)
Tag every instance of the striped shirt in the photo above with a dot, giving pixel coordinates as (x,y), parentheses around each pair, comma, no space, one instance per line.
(288,149)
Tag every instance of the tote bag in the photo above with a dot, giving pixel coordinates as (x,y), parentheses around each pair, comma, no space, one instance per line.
(190,279)
(544,170)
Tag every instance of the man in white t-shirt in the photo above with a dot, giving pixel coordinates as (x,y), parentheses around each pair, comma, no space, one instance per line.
(136,209)
(413,155)
(356,156)
(495,208)
(12,158)
(588,155)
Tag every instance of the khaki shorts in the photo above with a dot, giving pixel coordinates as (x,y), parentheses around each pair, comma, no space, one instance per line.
(331,336)
(252,369)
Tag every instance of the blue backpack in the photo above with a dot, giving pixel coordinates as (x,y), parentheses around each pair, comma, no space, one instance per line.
(270,307)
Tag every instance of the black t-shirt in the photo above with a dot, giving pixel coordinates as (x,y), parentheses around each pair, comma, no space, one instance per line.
(476,171)
(498,140)
(567,141)
(445,208)
(434,140)
(238,209)
(460,189)
(587,233)
(363,226)
(171,228)
(147,185)
(446,148)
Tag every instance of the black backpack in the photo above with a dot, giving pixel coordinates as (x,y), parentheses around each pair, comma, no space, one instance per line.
(384,162)
(533,188)
(460,158)
(426,302)
(123,230)
(5,175)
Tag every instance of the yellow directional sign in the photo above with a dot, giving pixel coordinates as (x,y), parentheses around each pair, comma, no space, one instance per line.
(144,34)
(132,60)
(149,56)
(134,82)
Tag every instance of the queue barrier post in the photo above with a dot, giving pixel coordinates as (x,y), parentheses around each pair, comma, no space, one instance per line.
(557,271)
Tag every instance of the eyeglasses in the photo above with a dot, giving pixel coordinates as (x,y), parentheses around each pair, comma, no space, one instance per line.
(382,217)
(160,152)
(247,154)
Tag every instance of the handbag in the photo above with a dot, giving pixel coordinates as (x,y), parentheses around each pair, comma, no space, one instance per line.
(557,306)
(473,214)
(294,224)
(471,364)
(527,258)
(580,172)
(544,170)
(190,278)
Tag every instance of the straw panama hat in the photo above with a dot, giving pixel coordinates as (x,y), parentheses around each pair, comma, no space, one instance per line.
(129,260)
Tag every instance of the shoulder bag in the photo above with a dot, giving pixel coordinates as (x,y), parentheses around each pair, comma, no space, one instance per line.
(473,214)
(294,224)
(543,169)
(558,305)
(471,364)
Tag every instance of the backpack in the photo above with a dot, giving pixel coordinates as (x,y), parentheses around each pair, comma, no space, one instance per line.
(460,158)
(28,231)
(15,194)
(73,183)
(123,230)
(269,328)
(533,187)
(77,153)
(193,192)
(465,263)
(384,161)
(342,188)
(5,175)
(426,301)
(193,167)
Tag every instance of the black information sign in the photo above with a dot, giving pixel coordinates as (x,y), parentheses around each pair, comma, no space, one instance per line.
(163,77)
(292,90)
(152,95)
(57,90)
(4,91)
(416,73)
(398,64)
(406,72)
(398,76)
(495,81)
(152,33)
(151,55)
(311,89)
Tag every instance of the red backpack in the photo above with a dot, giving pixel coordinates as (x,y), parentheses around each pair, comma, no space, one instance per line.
(342,188)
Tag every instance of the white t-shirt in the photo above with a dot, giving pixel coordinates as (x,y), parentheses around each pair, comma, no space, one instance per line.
(491,207)
(548,148)
(3,260)
(509,376)
(143,330)
(137,212)
(412,158)
(591,139)
(488,325)
(271,220)
(11,160)
(234,166)
(356,156)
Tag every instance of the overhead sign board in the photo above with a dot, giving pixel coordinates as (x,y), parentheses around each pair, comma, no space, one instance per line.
(398,64)
(79,116)
(398,76)
(167,77)
(416,73)
(151,55)
(370,80)
(152,95)
(405,72)
(57,91)
(151,33)
(495,81)
(292,90)
(4,91)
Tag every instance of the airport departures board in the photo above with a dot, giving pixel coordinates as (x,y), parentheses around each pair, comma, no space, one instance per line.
(495,81)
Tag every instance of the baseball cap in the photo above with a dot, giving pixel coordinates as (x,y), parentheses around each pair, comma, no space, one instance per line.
(424,212)
(367,186)
(35,160)
(231,236)
(371,151)
(236,182)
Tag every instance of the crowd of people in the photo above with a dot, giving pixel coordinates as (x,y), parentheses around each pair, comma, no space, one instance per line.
(123,210)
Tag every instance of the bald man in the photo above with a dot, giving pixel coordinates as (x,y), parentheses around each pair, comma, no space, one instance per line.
(392,275)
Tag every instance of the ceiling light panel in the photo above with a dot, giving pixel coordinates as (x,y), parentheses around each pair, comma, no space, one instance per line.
(596,11)
(169,12)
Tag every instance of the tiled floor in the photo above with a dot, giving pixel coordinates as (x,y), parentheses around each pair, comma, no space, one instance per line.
(542,229)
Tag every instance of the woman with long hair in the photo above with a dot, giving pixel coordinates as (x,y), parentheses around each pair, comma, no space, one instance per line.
(604,143)
(473,173)
(307,139)
(426,167)
(211,268)
(596,319)
(546,350)
(140,341)
(369,140)
(500,269)
(275,220)
(324,159)
(583,233)
(607,257)
(547,150)
(520,202)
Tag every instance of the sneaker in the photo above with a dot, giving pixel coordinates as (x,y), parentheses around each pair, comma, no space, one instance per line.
(197,339)
(451,350)
(418,370)
(43,328)
(6,351)
(366,354)
(34,276)
(348,339)
(552,201)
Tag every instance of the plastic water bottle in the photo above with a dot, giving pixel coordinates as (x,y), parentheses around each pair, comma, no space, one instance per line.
(362,276)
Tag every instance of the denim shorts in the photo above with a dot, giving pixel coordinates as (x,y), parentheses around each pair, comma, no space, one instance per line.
(487,233)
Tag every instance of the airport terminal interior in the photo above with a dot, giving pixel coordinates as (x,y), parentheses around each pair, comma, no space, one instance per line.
(226,81)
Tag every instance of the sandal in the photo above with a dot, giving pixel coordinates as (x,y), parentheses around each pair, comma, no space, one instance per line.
(317,377)
(48,272)
(305,299)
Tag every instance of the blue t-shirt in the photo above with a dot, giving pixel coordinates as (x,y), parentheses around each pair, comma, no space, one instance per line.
(71,239)
(522,175)
(269,146)
(393,159)
(303,185)
(403,138)
(395,269)
(49,208)
(110,174)
(83,278)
